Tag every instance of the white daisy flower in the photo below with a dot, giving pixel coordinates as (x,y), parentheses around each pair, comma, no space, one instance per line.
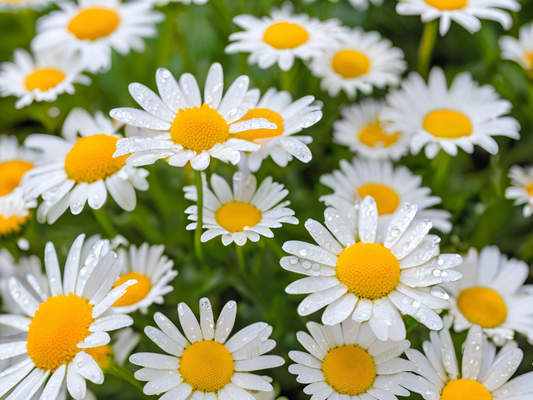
(185,128)
(361,130)
(490,295)
(63,319)
(84,169)
(466,13)
(289,117)
(15,214)
(484,374)
(519,50)
(282,37)
(42,79)
(461,116)
(246,212)
(388,186)
(360,277)
(17,5)
(361,5)
(348,361)
(92,28)
(359,60)
(521,189)
(204,362)
(153,272)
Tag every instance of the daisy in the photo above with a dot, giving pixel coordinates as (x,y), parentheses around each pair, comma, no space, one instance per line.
(153,272)
(388,186)
(359,61)
(204,362)
(189,129)
(15,214)
(84,169)
(519,50)
(466,13)
(289,117)
(490,295)
(360,277)
(347,361)
(361,130)
(438,117)
(282,37)
(42,79)
(92,28)
(244,213)
(17,5)
(63,319)
(522,188)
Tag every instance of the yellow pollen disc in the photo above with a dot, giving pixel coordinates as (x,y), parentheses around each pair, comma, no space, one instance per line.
(465,389)
(350,64)
(444,5)
(482,306)
(253,134)
(285,35)
(59,324)
(44,79)
(12,225)
(236,216)
(369,270)
(529,188)
(349,370)
(10,175)
(373,135)
(529,58)
(387,201)
(102,355)
(207,366)
(447,124)
(94,23)
(134,293)
(91,159)
(199,128)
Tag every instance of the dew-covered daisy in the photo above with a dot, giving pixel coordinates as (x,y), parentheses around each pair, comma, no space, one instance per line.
(204,362)
(519,50)
(359,61)
(521,189)
(361,130)
(63,318)
(461,116)
(92,28)
(466,13)
(17,5)
(282,37)
(347,361)
(189,129)
(358,277)
(40,79)
(290,118)
(15,161)
(83,170)
(246,212)
(389,186)
(15,214)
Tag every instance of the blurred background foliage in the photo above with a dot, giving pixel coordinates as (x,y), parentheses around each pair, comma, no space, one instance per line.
(190,40)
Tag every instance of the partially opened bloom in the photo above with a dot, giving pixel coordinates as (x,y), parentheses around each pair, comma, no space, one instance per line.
(521,189)
(184,127)
(15,214)
(63,318)
(246,212)
(360,277)
(462,116)
(359,61)
(83,169)
(519,50)
(92,28)
(204,362)
(40,79)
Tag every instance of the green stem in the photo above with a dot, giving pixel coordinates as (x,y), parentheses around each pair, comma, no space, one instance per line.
(199,224)
(427,44)
(285,79)
(105,223)
(123,373)
(240,258)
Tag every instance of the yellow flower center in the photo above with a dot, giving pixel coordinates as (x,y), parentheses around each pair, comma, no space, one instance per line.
(285,35)
(369,270)
(387,201)
(444,5)
(11,173)
(134,293)
(236,216)
(373,135)
(350,63)
(12,225)
(59,324)
(94,23)
(253,134)
(102,355)
(529,59)
(44,79)
(447,124)
(91,159)
(529,189)
(207,366)
(349,370)
(465,389)
(482,306)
